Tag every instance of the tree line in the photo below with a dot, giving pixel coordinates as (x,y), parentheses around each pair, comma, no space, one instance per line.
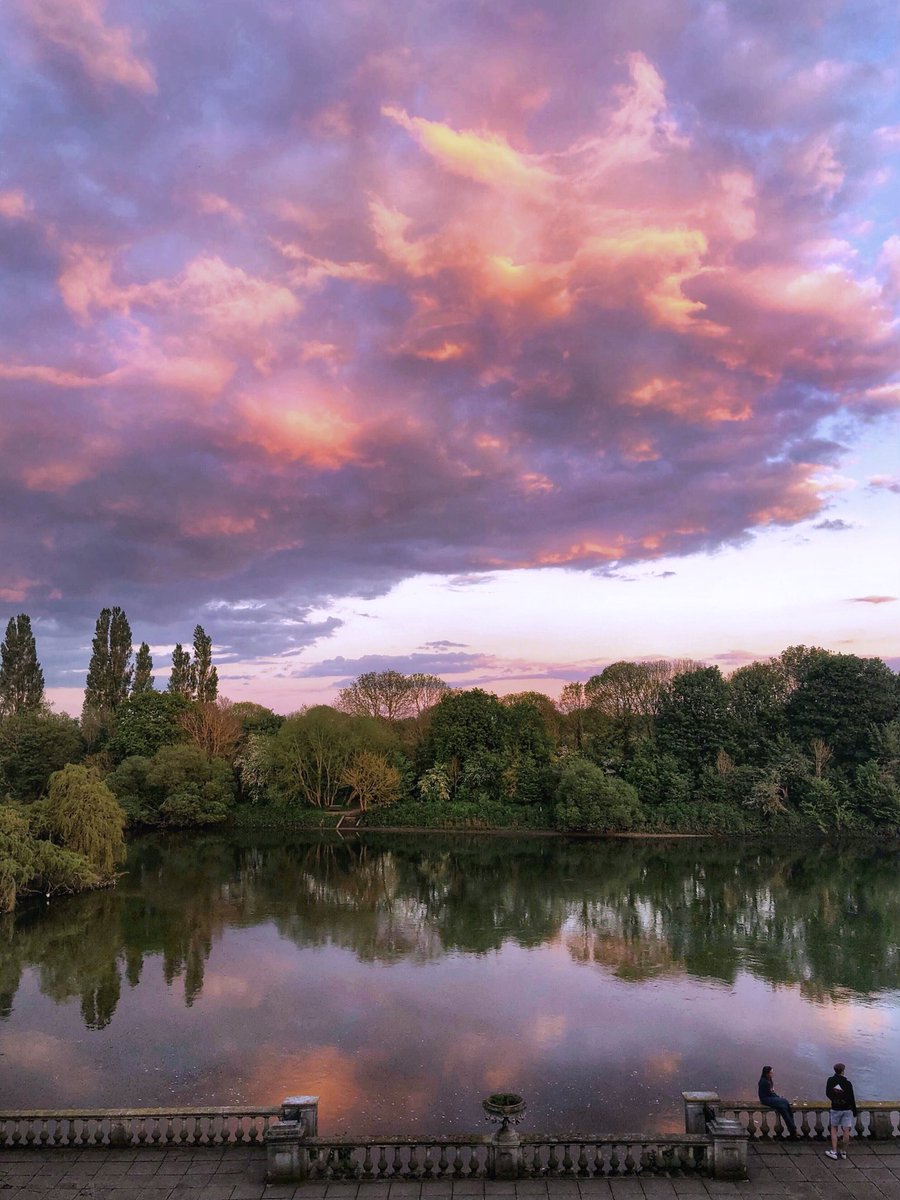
(808,741)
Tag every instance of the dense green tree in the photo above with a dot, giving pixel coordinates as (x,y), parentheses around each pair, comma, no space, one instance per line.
(180,677)
(758,694)
(589,799)
(841,700)
(204,676)
(84,816)
(693,719)
(145,722)
(32,746)
(21,677)
(109,672)
(179,785)
(256,718)
(143,671)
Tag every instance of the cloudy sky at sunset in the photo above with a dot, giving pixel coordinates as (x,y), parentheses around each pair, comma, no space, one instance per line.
(496,340)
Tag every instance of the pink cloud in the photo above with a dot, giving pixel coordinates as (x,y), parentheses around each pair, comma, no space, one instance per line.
(105,52)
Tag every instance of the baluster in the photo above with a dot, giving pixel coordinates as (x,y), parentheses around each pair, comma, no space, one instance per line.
(457,1163)
(72,1132)
(98,1132)
(567,1163)
(613,1160)
(16,1134)
(598,1158)
(670,1159)
(442,1161)
(382,1162)
(253,1131)
(85,1131)
(428,1164)
(413,1162)
(582,1161)
(629,1160)
(29,1132)
(157,1133)
(552,1160)
(198,1133)
(398,1162)
(44,1137)
(57,1132)
(820,1124)
(647,1159)
(684,1160)
(367,1162)
(474,1164)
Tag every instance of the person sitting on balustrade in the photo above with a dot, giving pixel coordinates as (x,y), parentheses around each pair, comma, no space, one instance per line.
(780,1104)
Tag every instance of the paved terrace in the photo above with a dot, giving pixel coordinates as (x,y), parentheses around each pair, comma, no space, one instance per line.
(238,1173)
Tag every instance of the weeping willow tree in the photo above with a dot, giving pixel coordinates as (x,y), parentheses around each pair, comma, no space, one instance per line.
(17,851)
(84,816)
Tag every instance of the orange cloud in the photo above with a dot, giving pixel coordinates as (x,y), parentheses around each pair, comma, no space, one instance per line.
(303,424)
(483,157)
(105,52)
(702,401)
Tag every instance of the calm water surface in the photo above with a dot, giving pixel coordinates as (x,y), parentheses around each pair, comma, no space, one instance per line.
(402,978)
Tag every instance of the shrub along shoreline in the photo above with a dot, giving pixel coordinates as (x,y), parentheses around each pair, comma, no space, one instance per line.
(803,745)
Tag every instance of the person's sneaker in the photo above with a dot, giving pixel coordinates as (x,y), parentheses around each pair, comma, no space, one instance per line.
(841,1154)
(831,1153)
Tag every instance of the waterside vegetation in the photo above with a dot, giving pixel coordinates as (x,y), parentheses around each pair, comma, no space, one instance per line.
(808,742)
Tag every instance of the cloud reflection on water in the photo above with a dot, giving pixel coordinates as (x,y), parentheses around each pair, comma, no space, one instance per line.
(402,981)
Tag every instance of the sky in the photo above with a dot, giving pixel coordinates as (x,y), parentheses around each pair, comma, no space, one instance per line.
(499,341)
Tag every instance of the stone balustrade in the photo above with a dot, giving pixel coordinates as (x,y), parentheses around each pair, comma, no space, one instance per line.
(136,1126)
(876,1119)
(295,1153)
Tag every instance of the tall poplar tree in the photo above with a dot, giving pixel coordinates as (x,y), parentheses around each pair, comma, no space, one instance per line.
(180,678)
(204,676)
(21,677)
(110,670)
(143,671)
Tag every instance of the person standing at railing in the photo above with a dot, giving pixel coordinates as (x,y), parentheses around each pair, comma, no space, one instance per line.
(839,1091)
(780,1104)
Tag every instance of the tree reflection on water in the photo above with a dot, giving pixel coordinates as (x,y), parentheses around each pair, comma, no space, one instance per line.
(822,918)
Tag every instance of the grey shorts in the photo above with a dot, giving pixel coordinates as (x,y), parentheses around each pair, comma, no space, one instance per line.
(842,1119)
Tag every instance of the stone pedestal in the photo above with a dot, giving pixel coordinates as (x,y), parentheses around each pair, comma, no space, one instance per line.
(287,1158)
(728,1151)
(698,1108)
(505,1155)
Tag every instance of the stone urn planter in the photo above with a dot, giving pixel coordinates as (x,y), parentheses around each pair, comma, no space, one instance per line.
(504,1106)
(505,1151)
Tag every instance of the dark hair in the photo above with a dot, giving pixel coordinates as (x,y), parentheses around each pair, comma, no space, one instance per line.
(765,1071)
(838,1068)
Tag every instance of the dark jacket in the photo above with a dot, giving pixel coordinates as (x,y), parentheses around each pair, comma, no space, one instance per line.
(839,1091)
(766,1092)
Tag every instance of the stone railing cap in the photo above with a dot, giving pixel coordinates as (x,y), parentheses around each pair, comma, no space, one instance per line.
(299,1101)
(700,1097)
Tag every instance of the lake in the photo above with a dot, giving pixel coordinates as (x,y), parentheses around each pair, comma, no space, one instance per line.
(403,977)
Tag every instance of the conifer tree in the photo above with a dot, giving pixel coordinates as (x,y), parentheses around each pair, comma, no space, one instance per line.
(143,671)
(110,670)
(180,678)
(21,677)
(204,676)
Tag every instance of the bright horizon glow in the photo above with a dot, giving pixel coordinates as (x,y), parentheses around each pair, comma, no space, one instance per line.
(541,337)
